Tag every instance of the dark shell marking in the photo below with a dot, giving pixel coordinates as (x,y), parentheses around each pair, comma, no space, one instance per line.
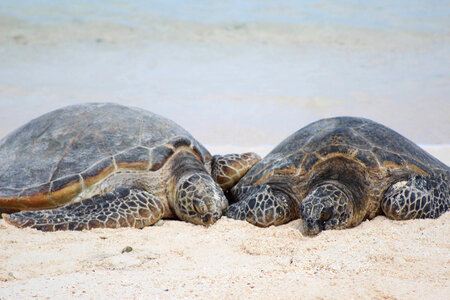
(52,158)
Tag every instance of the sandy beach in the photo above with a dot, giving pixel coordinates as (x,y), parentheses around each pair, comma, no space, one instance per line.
(239,76)
(379,259)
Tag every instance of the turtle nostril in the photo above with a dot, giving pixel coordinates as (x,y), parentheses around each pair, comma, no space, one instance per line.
(310,223)
(208,219)
(302,210)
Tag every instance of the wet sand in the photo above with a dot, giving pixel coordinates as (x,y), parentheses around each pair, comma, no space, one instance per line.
(235,72)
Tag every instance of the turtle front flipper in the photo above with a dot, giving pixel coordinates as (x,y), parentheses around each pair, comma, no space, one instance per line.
(262,206)
(418,198)
(227,169)
(122,207)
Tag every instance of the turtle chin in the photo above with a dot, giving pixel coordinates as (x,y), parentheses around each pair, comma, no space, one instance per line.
(199,200)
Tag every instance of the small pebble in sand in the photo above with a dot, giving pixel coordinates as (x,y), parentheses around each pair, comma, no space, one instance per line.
(127,249)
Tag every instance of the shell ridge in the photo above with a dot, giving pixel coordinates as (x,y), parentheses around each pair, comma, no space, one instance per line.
(307,143)
(83,185)
(361,136)
(141,129)
(6,170)
(67,150)
(102,141)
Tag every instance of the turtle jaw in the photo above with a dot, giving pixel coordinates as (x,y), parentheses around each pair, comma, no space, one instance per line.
(311,227)
(199,200)
(312,221)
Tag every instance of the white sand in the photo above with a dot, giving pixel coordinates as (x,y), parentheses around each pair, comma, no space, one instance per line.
(381,259)
(232,259)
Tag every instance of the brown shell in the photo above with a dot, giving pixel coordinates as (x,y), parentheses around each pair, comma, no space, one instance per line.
(46,162)
(366,145)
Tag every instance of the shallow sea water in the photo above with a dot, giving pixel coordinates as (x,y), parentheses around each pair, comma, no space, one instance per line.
(236,73)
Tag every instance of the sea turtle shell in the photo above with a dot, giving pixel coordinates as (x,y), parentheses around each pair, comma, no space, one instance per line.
(51,159)
(364,153)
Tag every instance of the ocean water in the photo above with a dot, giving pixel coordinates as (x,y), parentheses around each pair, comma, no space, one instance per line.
(237,73)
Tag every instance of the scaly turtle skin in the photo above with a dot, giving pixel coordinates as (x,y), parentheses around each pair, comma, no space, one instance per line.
(334,173)
(107,165)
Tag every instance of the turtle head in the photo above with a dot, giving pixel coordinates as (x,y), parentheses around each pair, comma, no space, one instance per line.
(328,206)
(198,199)
(227,169)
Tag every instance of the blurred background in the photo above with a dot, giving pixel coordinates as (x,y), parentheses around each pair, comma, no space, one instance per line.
(236,74)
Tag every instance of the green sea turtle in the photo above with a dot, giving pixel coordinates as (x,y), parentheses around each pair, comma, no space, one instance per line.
(107,165)
(334,173)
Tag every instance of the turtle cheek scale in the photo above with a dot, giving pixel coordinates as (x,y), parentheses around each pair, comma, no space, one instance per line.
(199,199)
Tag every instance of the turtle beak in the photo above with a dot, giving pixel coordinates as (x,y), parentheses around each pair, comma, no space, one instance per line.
(311,227)
(210,219)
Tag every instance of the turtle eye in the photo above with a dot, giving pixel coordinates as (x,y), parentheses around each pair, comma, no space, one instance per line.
(326,214)
(302,210)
